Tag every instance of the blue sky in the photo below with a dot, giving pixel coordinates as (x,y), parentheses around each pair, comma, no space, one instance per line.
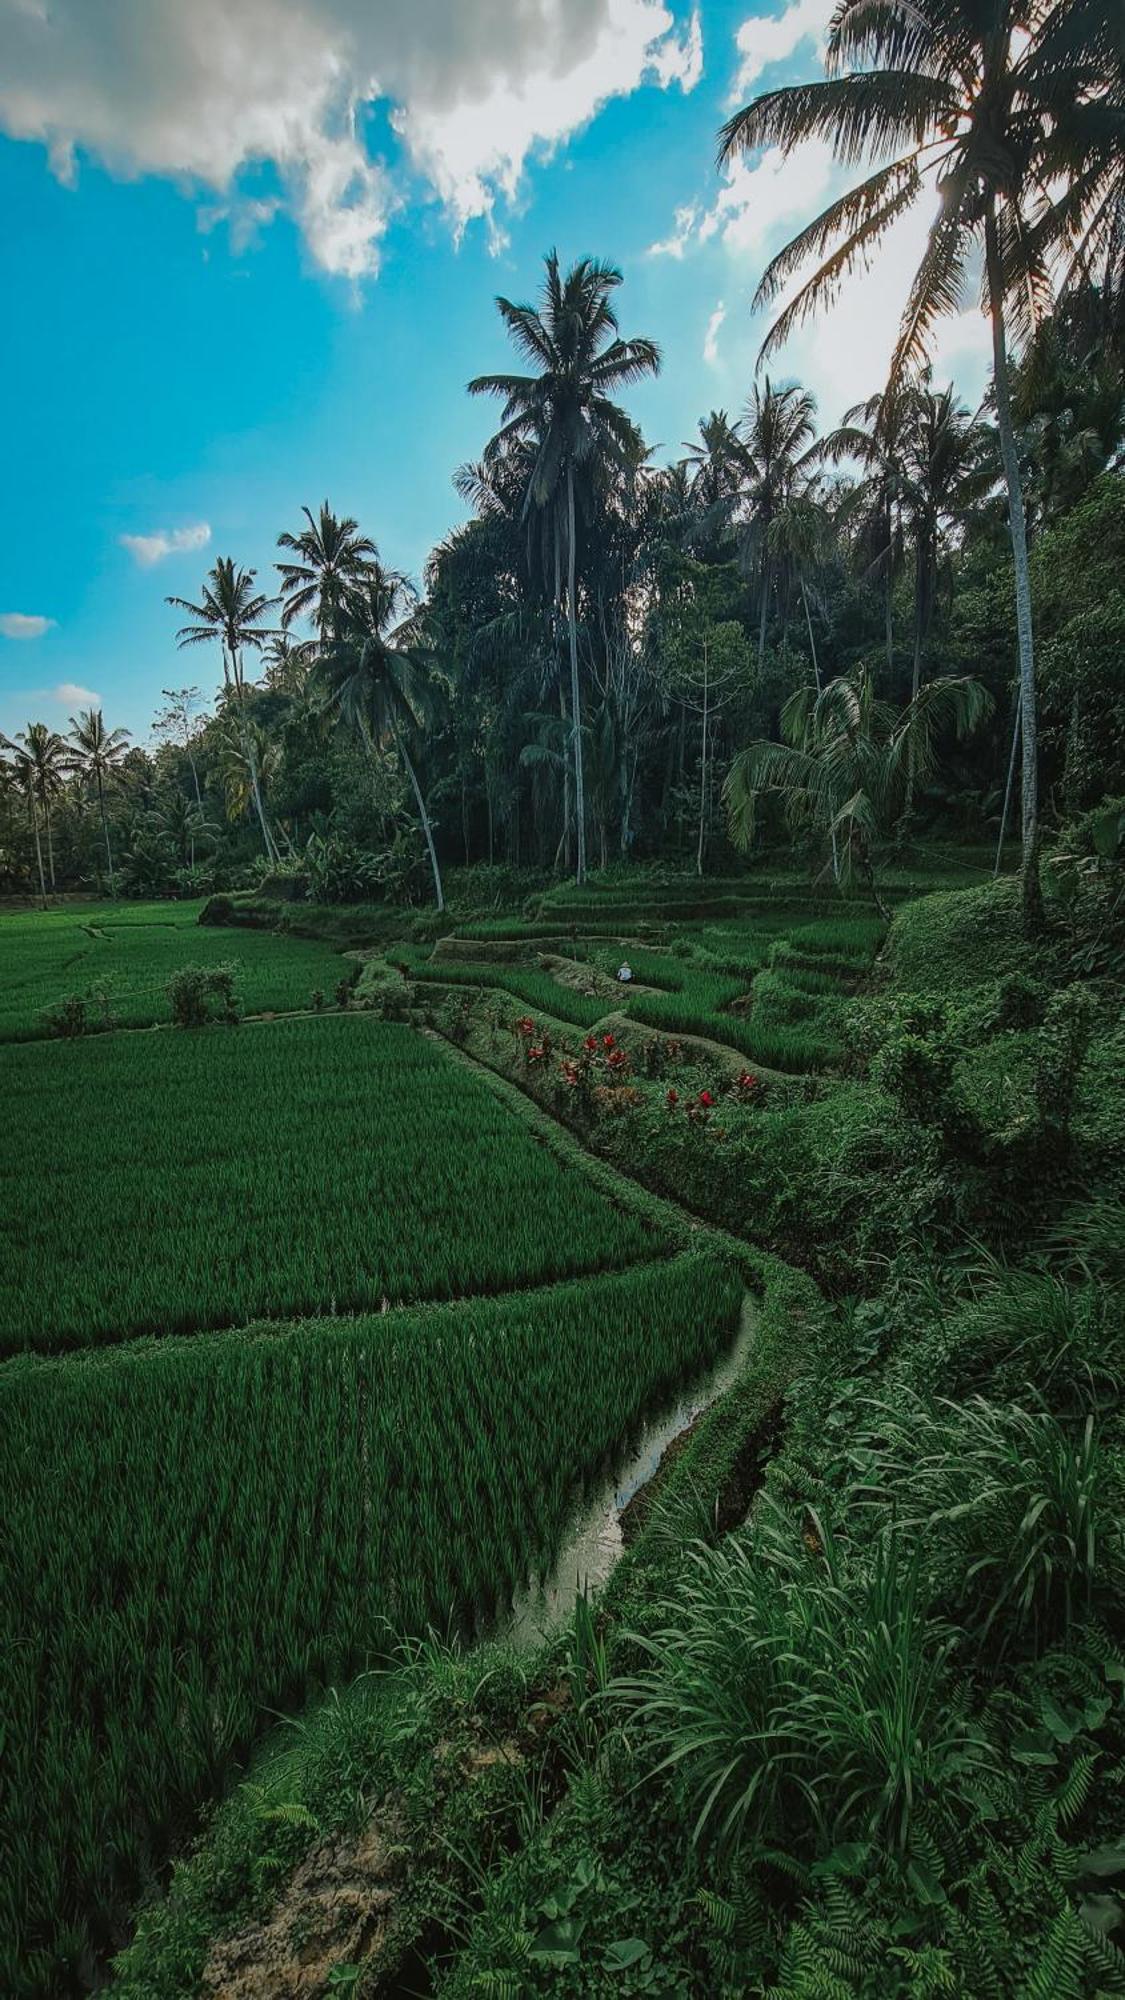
(239,285)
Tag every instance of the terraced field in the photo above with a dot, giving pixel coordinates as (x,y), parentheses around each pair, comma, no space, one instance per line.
(323,1343)
(769,985)
(119,956)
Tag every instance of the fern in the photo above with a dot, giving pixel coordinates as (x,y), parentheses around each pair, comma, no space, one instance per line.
(1058,1973)
(1076,1789)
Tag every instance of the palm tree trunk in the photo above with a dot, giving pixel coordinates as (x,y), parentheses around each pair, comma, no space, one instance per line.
(562,851)
(916,677)
(816,677)
(50,840)
(702,774)
(763,618)
(422,814)
(105,833)
(1007,791)
(272,852)
(888,600)
(575,691)
(1031,889)
(34,818)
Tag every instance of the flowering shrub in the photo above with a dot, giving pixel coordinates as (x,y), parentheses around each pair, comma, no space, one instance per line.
(748,1086)
(617,1061)
(536,1052)
(525,1027)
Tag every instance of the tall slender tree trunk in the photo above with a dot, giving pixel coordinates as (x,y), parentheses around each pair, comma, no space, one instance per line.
(33,816)
(273,854)
(575,691)
(762,621)
(888,600)
(194,778)
(916,676)
(105,834)
(50,840)
(1031,889)
(816,677)
(702,774)
(563,849)
(1007,791)
(422,814)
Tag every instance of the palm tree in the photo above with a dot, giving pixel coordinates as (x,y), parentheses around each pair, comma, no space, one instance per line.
(373,678)
(874,435)
(776,444)
(98,753)
(46,758)
(565,412)
(233,612)
(950,468)
(844,759)
(1013,114)
(332,557)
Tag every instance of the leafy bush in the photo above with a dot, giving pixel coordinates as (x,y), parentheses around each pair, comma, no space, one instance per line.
(198,994)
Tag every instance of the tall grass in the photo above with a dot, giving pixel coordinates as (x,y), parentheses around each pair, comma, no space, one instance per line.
(199,1531)
(172,1182)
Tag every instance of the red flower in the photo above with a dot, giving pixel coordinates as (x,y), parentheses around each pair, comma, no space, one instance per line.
(526,1026)
(607,1041)
(672,1099)
(706,1099)
(590,1043)
(570,1072)
(536,1054)
(617,1059)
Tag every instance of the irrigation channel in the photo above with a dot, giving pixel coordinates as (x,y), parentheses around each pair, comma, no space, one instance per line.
(595,1541)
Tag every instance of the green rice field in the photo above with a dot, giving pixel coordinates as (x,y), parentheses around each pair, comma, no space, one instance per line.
(128,951)
(291,1167)
(199,1531)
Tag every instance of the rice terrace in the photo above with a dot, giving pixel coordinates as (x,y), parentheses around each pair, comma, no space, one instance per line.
(562,1168)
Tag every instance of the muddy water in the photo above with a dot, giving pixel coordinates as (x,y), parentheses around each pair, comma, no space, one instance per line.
(594,1542)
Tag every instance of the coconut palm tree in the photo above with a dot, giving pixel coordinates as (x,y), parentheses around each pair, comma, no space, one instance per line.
(22,771)
(950,468)
(374,679)
(844,758)
(873,435)
(233,612)
(47,759)
(98,753)
(776,445)
(1012,114)
(331,558)
(566,413)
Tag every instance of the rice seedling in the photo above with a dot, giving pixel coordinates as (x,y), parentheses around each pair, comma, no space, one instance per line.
(120,957)
(269,1171)
(203,1530)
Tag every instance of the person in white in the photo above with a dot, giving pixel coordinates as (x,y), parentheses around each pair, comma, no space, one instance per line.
(625,972)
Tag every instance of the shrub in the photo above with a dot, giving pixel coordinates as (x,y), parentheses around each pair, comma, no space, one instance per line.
(66,1019)
(1060,1053)
(198,994)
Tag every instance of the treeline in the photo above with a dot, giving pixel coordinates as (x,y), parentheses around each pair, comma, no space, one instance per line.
(707,594)
(911,622)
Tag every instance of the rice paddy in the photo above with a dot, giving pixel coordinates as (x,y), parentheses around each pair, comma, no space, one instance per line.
(295,1167)
(310,1341)
(119,957)
(201,1530)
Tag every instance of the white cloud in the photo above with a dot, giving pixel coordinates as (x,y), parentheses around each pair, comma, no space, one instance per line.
(711,337)
(765,39)
(23,625)
(71,695)
(147,550)
(685,225)
(756,199)
(201,91)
